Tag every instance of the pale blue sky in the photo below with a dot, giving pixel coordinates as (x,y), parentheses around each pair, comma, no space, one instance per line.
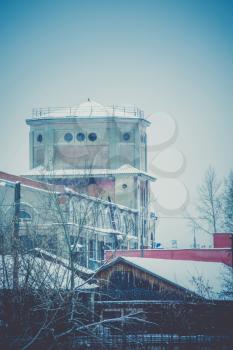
(173,56)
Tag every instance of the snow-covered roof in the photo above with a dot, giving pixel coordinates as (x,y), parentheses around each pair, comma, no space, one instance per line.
(125,169)
(63,261)
(35,272)
(99,200)
(87,109)
(202,278)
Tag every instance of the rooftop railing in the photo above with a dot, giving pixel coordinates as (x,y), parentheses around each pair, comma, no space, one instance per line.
(111,111)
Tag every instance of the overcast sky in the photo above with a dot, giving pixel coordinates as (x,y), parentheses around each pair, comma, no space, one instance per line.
(164,56)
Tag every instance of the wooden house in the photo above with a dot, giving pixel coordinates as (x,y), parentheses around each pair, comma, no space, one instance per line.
(184,297)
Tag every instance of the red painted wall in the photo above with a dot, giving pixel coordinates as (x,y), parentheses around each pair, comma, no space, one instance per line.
(214,255)
(223,240)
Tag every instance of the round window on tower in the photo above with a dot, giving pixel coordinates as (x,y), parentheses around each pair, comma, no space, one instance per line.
(39,138)
(126,136)
(92,136)
(68,137)
(124,186)
(80,136)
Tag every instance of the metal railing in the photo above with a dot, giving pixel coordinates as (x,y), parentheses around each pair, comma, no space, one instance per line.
(112,111)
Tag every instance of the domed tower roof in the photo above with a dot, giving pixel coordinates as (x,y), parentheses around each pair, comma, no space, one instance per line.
(91,109)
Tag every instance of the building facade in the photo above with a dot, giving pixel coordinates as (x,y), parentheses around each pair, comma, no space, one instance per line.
(99,152)
(62,221)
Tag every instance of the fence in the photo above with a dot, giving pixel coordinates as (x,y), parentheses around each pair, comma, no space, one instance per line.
(154,342)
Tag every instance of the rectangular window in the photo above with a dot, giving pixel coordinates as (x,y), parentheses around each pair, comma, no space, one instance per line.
(92,249)
(100,250)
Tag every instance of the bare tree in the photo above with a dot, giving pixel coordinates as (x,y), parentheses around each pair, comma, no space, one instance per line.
(228,203)
(209,203)
(52,287)
(228,282)
(6,229)
(63,224)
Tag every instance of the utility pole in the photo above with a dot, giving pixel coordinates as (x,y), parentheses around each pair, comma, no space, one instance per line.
(15,243)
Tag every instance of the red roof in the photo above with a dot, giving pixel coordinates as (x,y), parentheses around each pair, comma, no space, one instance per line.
(223,255)
(28,182)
